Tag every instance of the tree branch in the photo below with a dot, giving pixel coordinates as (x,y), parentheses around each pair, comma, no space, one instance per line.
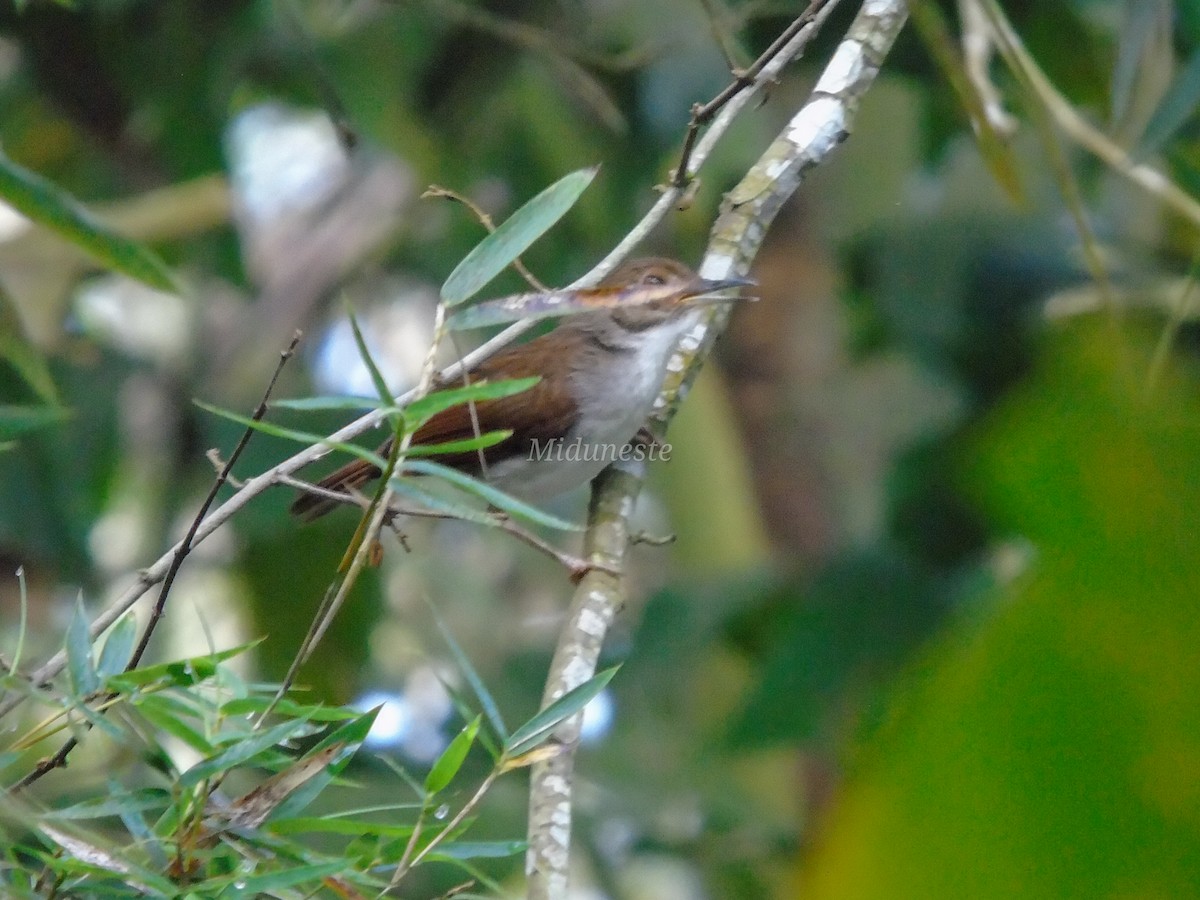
(812,134)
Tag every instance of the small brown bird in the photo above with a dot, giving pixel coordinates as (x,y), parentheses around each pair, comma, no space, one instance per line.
(600,374)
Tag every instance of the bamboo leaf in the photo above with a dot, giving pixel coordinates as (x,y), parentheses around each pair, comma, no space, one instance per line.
(493,495)
(50,206)
(18,420)
(452,758)
(482,442)
(292,434)
(514,236)
(243,750)
(81,668)
(1177,107)
(421,411)
(118,647)
(539,727)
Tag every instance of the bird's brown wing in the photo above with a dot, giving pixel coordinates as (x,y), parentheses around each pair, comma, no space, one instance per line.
(543,412)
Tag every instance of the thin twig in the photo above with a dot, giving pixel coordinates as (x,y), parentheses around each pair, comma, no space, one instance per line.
(1148,178)
(485,220)
(154,573)
(59,759)
(185,547)
(702,113)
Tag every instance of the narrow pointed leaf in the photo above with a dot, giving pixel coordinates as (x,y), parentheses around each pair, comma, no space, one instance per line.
(345,741)
(482,442)
(81,668)
(490,709)
(180,673)
(1177,107)
(381,388)
(493,495)
(539,727)
(291,434)
(26,358)
(1143,18)
(50,206)
(452,758)
(244,749)
(443,506)
(118,647)
(320,404)
(18,420)
(514,236)
(421,411)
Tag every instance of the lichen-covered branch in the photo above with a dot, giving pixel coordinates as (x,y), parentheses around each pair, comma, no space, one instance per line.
(811,135)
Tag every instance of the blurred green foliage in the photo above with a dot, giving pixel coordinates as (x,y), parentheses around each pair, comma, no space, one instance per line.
(1048,748)
(981,683)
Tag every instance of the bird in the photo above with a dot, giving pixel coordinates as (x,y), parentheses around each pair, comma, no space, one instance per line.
(600,373)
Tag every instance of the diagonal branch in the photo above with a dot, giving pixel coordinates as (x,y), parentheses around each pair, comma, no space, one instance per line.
(253,487)
(812,134)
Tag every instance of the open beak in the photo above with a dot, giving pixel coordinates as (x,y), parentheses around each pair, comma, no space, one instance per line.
(711,290)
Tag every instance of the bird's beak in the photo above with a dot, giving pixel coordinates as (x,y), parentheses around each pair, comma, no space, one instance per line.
(711,290)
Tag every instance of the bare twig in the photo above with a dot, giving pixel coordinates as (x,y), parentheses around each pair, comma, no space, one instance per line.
(1078,129)
(702,113)
(154,573)
(59,759)
(485,220)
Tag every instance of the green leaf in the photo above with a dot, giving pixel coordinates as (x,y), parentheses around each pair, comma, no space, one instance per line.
(81,668)
(291,434)
(181,673)
(113,805)
(493,495)
(350,735)
(482,442)
(163,713)
(334,825)
(490,709)
(480,850)
(322,404)
(451,759)
(18,420)
(1046,745)
(118,647)
(381,387)
(292,875)
(22,355)
(244,749)
(248,705)
(514,236)
(539,727)
(48,205)
(408,487)
(1134,42)
(1177,107)
(421,411)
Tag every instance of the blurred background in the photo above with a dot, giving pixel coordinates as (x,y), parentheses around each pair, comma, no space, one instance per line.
(928,628)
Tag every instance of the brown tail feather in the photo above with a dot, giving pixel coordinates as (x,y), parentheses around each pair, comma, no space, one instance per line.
(352,475)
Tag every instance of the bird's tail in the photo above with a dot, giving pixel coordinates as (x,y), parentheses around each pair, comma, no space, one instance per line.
(352,475)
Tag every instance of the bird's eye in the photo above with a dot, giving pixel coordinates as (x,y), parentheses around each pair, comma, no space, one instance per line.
(653,278)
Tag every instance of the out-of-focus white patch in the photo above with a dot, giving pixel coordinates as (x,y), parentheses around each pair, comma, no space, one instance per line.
(397,333)
(598,718)
(392,722)
(411,721)
(282,161)
(135,319)
(12,223)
